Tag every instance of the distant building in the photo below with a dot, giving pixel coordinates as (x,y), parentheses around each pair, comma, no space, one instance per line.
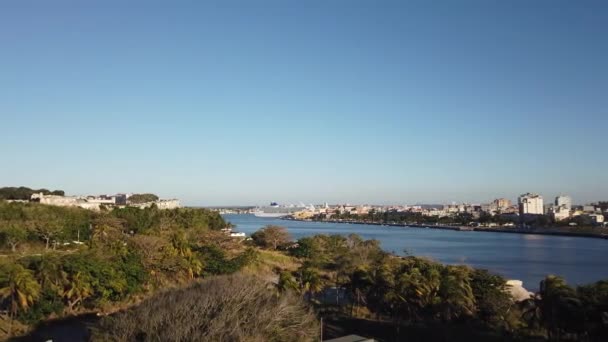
(596,218)
(589,208)
(502,204)
(96,202)
(160,204)
(530,204)
(563,201)
(559,213)
(62,201)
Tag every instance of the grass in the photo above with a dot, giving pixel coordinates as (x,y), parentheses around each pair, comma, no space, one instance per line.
(269,262)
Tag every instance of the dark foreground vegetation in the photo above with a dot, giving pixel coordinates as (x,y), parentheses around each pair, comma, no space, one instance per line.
(352,280)
(223,308)
(160,275)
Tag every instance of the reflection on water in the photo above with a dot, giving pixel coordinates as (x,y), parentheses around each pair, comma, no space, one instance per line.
(533,237)
(516,256)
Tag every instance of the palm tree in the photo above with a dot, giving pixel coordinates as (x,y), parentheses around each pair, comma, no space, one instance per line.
(456,293)
(310,282)
(287,282)
(418,289)
(78,288)
(359,285)
(19,287)
(49,272)
(553,308)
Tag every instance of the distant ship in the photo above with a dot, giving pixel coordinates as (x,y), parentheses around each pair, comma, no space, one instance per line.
(276,210)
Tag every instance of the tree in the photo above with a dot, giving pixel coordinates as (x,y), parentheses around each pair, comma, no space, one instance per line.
(18,286)
(359,285)
(223,308)
(46,222)
(287,282)
(594,298)
(24,193)
(310,281)
(142,198)
(555,308)
(78,287)
(491,297)
(106,229)
(456,293)
(49,272)
(271,236)
(13,233)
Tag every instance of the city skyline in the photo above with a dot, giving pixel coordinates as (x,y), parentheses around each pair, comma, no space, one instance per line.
(314,102)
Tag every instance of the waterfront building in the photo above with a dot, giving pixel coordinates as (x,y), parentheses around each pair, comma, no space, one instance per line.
(589,208)
(596,218)
(530,204)
(559,213)
(564,201)
(502,204)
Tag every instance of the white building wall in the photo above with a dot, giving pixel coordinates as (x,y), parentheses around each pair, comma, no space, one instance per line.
(564,201)
(531,204)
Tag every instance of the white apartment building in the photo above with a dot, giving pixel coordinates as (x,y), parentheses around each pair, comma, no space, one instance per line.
(530,204)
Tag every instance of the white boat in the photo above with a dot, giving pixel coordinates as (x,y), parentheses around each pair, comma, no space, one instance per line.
(275,210)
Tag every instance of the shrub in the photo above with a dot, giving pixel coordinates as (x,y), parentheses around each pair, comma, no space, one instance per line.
(224,308)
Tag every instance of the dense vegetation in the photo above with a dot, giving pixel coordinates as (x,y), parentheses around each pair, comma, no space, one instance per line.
(24,194)
(142,198)
(60,260)
(354,277)
(226,308)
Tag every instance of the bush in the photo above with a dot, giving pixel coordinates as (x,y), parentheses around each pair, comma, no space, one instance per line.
(224,308)
(271,237)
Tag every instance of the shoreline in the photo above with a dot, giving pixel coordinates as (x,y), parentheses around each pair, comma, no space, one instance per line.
(507,230)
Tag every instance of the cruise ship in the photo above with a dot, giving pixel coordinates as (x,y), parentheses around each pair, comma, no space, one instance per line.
(276,210)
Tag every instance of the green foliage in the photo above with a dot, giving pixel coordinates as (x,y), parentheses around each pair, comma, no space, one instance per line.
(336,252)
(33,222)
(48,303)
(148,219)
(18,287)
(491,296)
(142,198)
(24,193)
(557,309)
(216,262)
(271,237)
(44,223)
(12,233)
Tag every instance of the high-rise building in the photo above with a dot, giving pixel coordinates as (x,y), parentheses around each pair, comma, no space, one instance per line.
(564,201)
(530,204)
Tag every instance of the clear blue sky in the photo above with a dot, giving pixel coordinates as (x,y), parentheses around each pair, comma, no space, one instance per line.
(246,102)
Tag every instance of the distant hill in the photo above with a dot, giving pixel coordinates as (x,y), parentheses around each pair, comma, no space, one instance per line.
(24,193)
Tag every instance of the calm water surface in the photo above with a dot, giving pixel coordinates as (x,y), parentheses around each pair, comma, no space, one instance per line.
(516,256)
